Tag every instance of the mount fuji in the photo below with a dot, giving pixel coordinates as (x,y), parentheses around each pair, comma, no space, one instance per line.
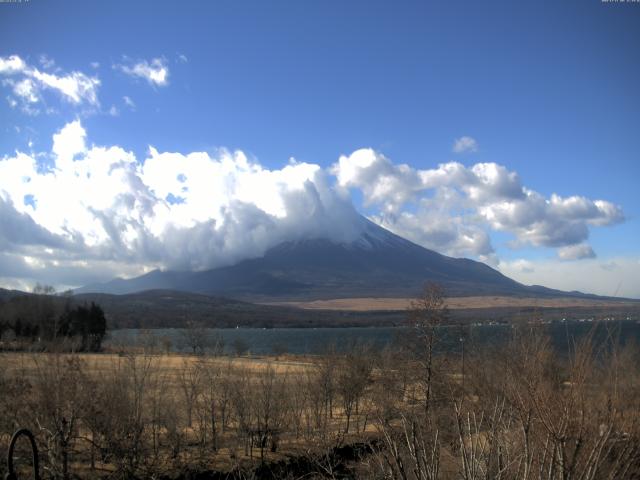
(377,263)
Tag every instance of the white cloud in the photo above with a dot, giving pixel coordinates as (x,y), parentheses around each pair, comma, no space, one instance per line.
(11,65)
(432,225)
(491,182)
(69,142)
(46,61)
(465,145)
(100,207)
(28,84)
(156,71)
(576,252)
(128,102)
(381,182)
(194,211)
(553,222)
(27,90)
(521,266)
(450,207)
(19,231)
(75,87)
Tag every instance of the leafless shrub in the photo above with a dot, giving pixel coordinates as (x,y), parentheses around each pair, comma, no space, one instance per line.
(352,378)
(56,407)
(426,313)
(190,379)
(123,418)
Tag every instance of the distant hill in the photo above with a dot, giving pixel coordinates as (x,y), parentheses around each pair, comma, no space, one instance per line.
(169,309)
(7,294)
(376,264)
(175,309)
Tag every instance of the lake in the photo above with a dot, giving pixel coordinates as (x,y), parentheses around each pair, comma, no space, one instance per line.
(261,341)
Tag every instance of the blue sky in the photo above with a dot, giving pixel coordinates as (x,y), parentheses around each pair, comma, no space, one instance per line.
(548,91)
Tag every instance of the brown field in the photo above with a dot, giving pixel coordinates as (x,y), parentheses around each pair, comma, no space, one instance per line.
(168,381)
(171,364)
(140,414)
(454,303)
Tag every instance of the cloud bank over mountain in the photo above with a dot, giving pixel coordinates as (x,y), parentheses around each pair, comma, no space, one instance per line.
(454,206)
(85,212)
(90,205)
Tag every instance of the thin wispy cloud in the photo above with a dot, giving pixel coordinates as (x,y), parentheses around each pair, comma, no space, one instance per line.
(520,265)
(128,102)
(28,83)
(576,252)
(46,62)
(155,71)
(465,145)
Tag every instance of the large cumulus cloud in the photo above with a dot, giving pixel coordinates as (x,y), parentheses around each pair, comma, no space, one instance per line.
(85,212)
(449,208)
(96,205)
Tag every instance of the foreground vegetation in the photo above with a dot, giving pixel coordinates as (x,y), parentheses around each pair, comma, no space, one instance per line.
(522,411)
(519,413)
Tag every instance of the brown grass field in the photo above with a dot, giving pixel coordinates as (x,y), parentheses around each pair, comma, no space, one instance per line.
(171,364)
(170,370)
(453,303)
(142,414)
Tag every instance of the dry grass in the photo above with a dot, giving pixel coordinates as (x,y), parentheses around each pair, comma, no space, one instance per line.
(523,387)
(170,364)
(454,303)
(169,370)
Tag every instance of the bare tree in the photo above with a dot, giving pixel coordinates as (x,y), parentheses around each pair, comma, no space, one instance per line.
(210,401)
(195,337)
(271,407)
(353,376)
(426,313)
(189,380)
(57,406)
(124,419)
(240,395)
(240,347)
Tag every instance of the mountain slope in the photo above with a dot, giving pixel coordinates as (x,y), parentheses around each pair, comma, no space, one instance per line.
(376,264)
(8,294)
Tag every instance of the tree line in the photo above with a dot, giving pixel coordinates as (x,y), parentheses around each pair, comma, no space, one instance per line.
(43,318)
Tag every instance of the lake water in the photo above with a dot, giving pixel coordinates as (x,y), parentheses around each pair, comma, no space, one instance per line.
(318,340)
